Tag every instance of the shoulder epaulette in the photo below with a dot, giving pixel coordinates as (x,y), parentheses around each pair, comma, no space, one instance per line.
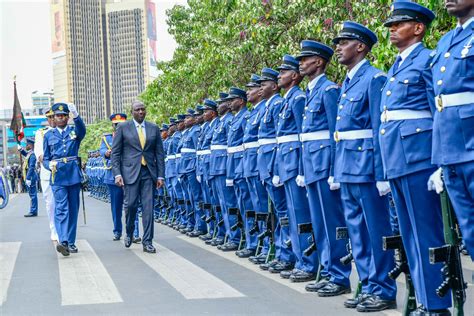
(332,86)
(279,101)
(380,74)
(300,96)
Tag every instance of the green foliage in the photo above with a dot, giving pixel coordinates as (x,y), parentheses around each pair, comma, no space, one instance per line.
(94,137)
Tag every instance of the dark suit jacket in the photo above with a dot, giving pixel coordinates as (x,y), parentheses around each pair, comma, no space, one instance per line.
(127,152)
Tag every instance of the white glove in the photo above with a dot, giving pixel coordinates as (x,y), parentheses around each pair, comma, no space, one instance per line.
(19,147)
(229,182)
(435,182)
(333,185)
(28,182)
(52,164)
(300,181)
(73,110)
(383,187)
(198,179)
(276,181)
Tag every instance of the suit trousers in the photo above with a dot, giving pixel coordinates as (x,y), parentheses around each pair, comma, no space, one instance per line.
(141,190)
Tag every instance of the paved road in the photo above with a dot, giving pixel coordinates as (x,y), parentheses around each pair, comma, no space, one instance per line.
(185,277)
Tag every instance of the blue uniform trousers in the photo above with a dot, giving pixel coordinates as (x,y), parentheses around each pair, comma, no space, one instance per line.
(298,214)
(195,195)
(421,227)
(221,230)
(178,191)
(188,218)
(393,215)
(227,199)
(259,200)
(459,180)
(282,232)
(327,214)
(208,198)
(368,220)
(244,202)
(33,193)
(116,205)
(66,199)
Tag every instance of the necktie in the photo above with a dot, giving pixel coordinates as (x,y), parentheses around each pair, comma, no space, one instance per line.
(397,64)
(457,31)
(308,93)
(141,137)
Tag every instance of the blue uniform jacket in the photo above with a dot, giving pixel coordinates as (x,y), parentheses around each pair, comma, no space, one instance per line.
(267,130)
(105,145)
(206,145)
(171,169)
(320,115)
(189,140)
(453,72)
(219,157)
(235,137)
(406,145)
(290,121)
(31,173)
(57,146)
(200,158)
(359,161)
(251,135)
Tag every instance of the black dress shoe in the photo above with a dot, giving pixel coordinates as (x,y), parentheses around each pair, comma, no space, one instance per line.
(315,286)
(286,274)
(137,240)
(302,276)
(30,215)
(195,233)
(149,248)
(376,304)
(245,253)
(281,266)
(128,241)
(73,249)
(217,242)
(62,248)
(333,289)
(353,302)
(266,266)
(230,246)
(261,258)
(422,311)
(116,237)
(205,237)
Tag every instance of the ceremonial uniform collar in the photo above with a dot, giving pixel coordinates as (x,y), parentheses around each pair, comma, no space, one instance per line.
(290,91)
(407,52)
(467,23)
(356,68)
(314,82)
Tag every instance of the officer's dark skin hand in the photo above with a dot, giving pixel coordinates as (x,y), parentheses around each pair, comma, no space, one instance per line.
(119,181)
(159,183)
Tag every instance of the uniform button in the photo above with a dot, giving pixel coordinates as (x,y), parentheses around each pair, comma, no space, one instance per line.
(389,93)
(382,132)
(306,107)
(384,107)
(321,146)
(304,117)
(359,148)
(291,148)
(343,95)
(418,130)
(440,82)
(341,107)
(447,55)
(338,118)
(405,81)
(443,69)
(351,99)
(302,146)
(392,79)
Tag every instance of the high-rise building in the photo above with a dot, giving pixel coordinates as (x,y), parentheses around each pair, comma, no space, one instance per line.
(104,53)
(42,101)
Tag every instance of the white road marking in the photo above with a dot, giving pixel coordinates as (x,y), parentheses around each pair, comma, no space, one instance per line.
(8,254)
(84,279)
(187,278)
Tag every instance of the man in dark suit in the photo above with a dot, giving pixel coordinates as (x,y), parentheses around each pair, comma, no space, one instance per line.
(137,164)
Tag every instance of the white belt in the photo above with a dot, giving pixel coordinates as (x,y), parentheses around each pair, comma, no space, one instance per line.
(171,157)
(188,150)
(178,155)
(400,115)
(251,145)
(235,149)
(318,135)
(203,152)
(455,99)
(288,138)
(166,159)
(353,135)
(266,141)
(218,147)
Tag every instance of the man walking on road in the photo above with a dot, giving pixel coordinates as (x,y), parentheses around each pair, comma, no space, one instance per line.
(137,163)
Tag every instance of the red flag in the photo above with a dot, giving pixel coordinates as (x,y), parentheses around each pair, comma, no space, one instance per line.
(18,120)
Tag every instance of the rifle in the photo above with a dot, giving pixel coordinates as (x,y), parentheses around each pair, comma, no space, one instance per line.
(449,254)
(269,232)
(343,233)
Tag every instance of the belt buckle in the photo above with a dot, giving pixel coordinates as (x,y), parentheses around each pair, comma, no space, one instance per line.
(64,160)
(439,103)
(336,137)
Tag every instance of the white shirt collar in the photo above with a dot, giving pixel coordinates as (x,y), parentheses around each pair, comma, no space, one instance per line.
(354,70)
(407,52)
(288,92)
(61,130)
(138,124)
(271,98)
(467,23)
(314,82)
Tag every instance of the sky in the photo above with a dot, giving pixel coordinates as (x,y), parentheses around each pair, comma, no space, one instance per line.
(25,47)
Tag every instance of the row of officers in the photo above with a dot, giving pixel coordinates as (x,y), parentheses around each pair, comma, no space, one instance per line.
(331,157)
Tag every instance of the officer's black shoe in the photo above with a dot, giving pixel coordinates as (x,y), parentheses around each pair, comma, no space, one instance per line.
(205,237)
(422,311)
(376,304)
(195,233)
(116,237)
(217,242)
(286,274)
(315,286)
(137,240)
(128,241)
(281,266)
(261,258)
(157,220)
(266,266)
(245,253)
(230,246)
(302,276)
(73,249)
(30,215)
(333,289)
(62,248)
(353,302)
(149,248)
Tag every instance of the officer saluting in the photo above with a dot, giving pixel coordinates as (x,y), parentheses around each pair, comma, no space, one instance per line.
(61,147)
(116,192)
(30,175)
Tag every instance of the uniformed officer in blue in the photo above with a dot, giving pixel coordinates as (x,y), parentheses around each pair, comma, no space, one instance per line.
(61,147)
(175,156)
(358,168)
(453,126)
(30,175)
(317,169)
(116,192)
(287,161)
(170,172)
(405,143)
